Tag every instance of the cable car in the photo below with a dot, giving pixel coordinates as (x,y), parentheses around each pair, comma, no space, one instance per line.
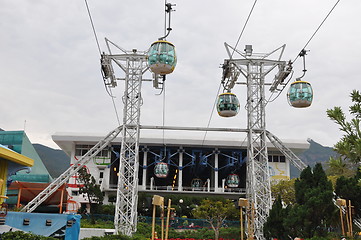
(300,94)
(161,170)
(162,58)
(232,180)
(227,105)
(196,183)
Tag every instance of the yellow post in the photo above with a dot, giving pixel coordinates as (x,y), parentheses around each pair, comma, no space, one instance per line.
(350,217)
(162,219)
(242,202)
(157,201)
(341,202)
(168,215)
(153,222)
(342,222)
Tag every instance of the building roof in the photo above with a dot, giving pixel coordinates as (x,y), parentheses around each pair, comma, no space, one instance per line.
(20,143)
(13,156)
(66,141)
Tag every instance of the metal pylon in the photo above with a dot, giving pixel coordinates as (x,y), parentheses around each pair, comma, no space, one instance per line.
(134,65)
(254,67)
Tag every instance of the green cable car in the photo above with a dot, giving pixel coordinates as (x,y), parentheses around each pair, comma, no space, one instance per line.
(162,58)
(300,94)
(227,105)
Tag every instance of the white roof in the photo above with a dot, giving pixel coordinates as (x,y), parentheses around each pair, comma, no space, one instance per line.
(66,141)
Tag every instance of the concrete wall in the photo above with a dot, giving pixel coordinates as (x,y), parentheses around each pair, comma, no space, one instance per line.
(94,232)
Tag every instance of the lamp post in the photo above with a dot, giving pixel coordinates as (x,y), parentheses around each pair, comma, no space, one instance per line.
(180,207)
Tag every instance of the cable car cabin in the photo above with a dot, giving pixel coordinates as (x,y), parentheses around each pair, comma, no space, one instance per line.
(162,58)
(196,183)
(161,170)
(227,105)
(300,94)
(232,180)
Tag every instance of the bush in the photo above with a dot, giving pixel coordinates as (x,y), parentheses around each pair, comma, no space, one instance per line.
(19,235)
(89,223)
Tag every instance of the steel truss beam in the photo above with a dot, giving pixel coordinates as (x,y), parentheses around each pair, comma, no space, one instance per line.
(71,171)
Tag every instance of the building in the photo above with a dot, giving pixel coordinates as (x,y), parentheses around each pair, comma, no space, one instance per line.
(20,143)
(24,173)
(173,165)
(10,161)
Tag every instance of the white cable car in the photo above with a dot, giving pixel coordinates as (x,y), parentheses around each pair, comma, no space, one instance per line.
(232,180)
(161,170)
(162,58)
(300,94)
(227,105)
(196,183)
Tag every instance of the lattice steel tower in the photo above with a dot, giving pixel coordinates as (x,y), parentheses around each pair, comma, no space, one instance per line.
(134,64)
(255,67)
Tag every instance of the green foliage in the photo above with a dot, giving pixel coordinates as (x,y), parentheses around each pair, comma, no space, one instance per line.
(339,167)
(115,237)
(215,213)
(19,235)
(312,212)
(93,223)
(144,231)
(276,218)
(350,189)
(91,189)
(349,147)
(314,195)
(286,190)
(108,209)
(182,209)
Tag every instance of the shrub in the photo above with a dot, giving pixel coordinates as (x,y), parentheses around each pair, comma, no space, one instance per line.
(19,235)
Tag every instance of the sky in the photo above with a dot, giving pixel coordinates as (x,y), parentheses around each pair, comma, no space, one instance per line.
(51,81)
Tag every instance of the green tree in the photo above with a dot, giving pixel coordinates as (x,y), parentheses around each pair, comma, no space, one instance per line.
(215,213)
(350,189)
(89,187)
(314,208)
(338,167)
(274,226)
(285,189)
(349,147)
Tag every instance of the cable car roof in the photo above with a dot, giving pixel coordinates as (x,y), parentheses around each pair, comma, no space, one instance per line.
(227,93)
(299,81)
(162,41)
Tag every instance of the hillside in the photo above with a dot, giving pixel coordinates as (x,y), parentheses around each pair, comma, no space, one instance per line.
(56,161)
(315,154)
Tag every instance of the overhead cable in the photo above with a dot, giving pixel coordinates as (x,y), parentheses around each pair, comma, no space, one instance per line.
(100,53)
(317,29)
(244,27)
(92,24)
(210,117)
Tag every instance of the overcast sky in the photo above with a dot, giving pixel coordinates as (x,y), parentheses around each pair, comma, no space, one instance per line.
(50,72)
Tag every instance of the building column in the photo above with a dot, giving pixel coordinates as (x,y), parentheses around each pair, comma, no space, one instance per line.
(180,170)
(216,171)
(144,179)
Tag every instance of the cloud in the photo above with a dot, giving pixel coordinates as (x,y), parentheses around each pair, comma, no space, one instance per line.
(50,73)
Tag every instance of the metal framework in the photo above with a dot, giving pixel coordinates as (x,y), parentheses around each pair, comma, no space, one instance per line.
(255,67)
(71,171)
(134,65)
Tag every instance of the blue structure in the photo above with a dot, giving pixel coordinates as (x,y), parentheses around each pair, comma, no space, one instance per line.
(45,224)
